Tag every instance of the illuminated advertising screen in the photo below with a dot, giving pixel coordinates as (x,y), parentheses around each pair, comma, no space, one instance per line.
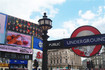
(22,26)
(3,21)
(37,43)
(17,39)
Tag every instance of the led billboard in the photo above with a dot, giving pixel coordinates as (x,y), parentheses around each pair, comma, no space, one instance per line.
(17,39)
(22,26)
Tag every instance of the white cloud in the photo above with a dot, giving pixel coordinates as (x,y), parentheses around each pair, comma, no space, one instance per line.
(24,8)
(87,15)
(80,12)
(70,26)
(100,10)
(82,22)
(58,34)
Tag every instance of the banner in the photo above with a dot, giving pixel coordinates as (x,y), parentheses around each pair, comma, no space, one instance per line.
(13,61)
(15,49)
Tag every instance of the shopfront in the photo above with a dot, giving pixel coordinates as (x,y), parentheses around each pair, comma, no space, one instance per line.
(4,65)
(14,61)
(18,64)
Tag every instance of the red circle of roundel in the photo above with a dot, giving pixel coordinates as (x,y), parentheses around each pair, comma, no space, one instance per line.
(86,28)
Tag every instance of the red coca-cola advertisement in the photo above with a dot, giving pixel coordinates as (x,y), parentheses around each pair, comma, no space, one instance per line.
(37,54)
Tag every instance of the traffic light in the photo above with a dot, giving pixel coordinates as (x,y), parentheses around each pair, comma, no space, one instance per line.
(88,64)
(35,64)
(69,66)
(92,64)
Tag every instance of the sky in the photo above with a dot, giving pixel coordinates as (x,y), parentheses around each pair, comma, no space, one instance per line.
(66,15)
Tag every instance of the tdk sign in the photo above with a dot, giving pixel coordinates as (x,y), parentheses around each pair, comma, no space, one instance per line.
(40,44)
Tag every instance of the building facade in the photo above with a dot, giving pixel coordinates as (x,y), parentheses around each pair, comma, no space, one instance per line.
(16,42)
(99,60)
(62,58)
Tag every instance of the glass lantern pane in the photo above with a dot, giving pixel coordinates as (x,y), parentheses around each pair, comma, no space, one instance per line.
(50,23)
(42,22)
(47,22)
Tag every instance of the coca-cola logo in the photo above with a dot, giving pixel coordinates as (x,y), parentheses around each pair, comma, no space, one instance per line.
(39,55)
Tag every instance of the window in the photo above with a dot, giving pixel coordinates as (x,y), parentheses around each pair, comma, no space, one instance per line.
(66,61)
(60,60)
(21,56)
(13,55)
(57,60)
(7,55)
(26,56)
(54,61)
(51,61)
(0,53)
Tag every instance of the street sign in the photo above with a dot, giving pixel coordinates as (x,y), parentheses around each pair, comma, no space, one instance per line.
(77,41)
(91,41)
(85,40)
(55,44)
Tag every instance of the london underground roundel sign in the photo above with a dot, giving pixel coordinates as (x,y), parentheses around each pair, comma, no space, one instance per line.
(86,51)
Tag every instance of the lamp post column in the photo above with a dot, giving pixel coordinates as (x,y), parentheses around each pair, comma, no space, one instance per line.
(45,24)
(45,58)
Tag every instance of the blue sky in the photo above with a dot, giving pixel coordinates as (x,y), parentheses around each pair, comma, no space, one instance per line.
(67,15)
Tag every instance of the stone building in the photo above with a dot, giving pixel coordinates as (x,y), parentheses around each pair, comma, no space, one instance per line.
(99,59)
(62,58)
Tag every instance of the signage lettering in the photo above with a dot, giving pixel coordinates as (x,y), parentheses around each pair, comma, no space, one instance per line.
(39,55)
(54,44)
(15,49)
(86,40)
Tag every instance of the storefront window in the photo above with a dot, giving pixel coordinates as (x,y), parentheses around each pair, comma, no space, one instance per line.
(0,53)
(26,56)
(13,55)
(1,68)
(21,56)
(7,55)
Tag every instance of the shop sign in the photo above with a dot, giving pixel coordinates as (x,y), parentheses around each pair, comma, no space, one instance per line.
(15,49)
(4,65)
(13,61)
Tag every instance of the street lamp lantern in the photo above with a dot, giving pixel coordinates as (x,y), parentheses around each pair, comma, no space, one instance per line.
(45,24)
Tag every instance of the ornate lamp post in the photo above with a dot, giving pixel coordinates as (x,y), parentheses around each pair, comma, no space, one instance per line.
(45,24)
